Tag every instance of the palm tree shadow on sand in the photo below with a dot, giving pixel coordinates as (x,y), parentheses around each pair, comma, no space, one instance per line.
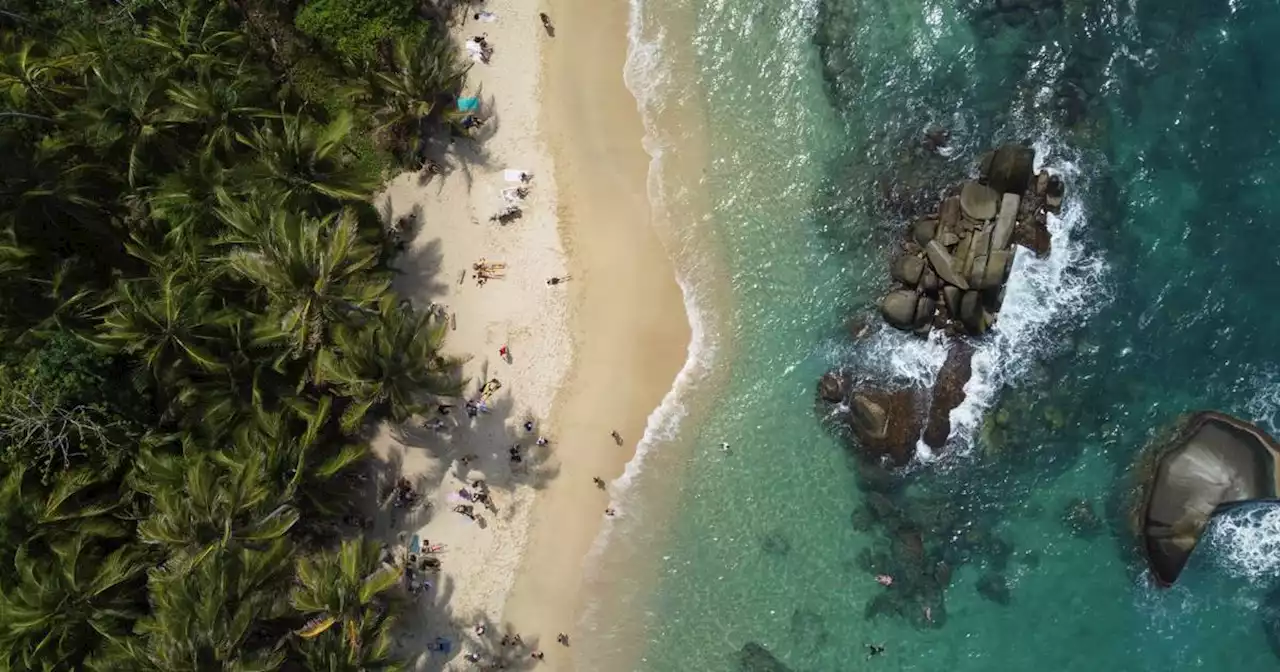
(491,644)
(489,438)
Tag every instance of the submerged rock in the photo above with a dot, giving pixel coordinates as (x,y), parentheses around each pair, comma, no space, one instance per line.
(995,587)
(775,543)
(833,387)
(1078,516)
(755,658)
(1211,462)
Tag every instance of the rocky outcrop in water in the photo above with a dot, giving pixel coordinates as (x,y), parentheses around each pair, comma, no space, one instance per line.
(956,260)
(1209,463)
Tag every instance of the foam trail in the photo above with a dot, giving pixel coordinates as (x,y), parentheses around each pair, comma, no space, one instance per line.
(1263,409)
(1246,542)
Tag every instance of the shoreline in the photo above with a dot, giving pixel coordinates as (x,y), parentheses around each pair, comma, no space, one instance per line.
(628,318)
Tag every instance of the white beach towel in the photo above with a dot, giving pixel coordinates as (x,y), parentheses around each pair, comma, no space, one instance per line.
(513,175)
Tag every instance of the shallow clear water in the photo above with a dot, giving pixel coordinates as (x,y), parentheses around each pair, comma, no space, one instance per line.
(1154,302)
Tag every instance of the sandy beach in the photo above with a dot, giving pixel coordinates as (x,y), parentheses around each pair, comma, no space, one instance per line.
(585,357)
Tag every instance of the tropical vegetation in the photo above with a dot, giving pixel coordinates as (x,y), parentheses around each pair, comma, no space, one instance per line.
(198,327)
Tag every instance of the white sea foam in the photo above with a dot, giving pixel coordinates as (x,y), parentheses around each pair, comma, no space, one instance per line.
(1246,542)
(1263,408)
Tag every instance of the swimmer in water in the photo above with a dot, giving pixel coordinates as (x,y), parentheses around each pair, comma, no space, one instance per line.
(874,650)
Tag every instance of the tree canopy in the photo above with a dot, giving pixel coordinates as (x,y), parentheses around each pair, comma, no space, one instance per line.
(197,324)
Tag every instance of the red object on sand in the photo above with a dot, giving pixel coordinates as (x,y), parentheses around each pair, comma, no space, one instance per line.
(502,352)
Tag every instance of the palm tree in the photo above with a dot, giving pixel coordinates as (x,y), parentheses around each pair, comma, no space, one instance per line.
(301,161)
(187,41)
(298,463)
(67,599)
(206,504)
(31,78)
(344,594)
(220,106)
(127,116)
(165,322)
(393,360)
(68,577)
(228,613)
(424,79)
(183,201)
(315,272)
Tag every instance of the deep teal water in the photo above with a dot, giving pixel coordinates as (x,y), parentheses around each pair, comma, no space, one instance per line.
(1158,299)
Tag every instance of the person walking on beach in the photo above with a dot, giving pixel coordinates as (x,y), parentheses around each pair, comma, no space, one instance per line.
(562,639)
(598,481)
(503,352)
(546,24)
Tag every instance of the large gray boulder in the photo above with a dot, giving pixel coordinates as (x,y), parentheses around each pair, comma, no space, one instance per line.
(923,230)
(899,309)
(907,269)
(949,213)
(944,265)
(1002,234)
(1011,169)
(869,418)
(979,201)
(1210,463)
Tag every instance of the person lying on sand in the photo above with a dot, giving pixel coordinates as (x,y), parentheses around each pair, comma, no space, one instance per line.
(546,24)
(598,481)
(617,438)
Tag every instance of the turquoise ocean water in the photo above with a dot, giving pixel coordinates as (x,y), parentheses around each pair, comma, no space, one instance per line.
(1163,116)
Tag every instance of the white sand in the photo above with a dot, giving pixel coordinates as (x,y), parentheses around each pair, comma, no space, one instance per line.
(520,311)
